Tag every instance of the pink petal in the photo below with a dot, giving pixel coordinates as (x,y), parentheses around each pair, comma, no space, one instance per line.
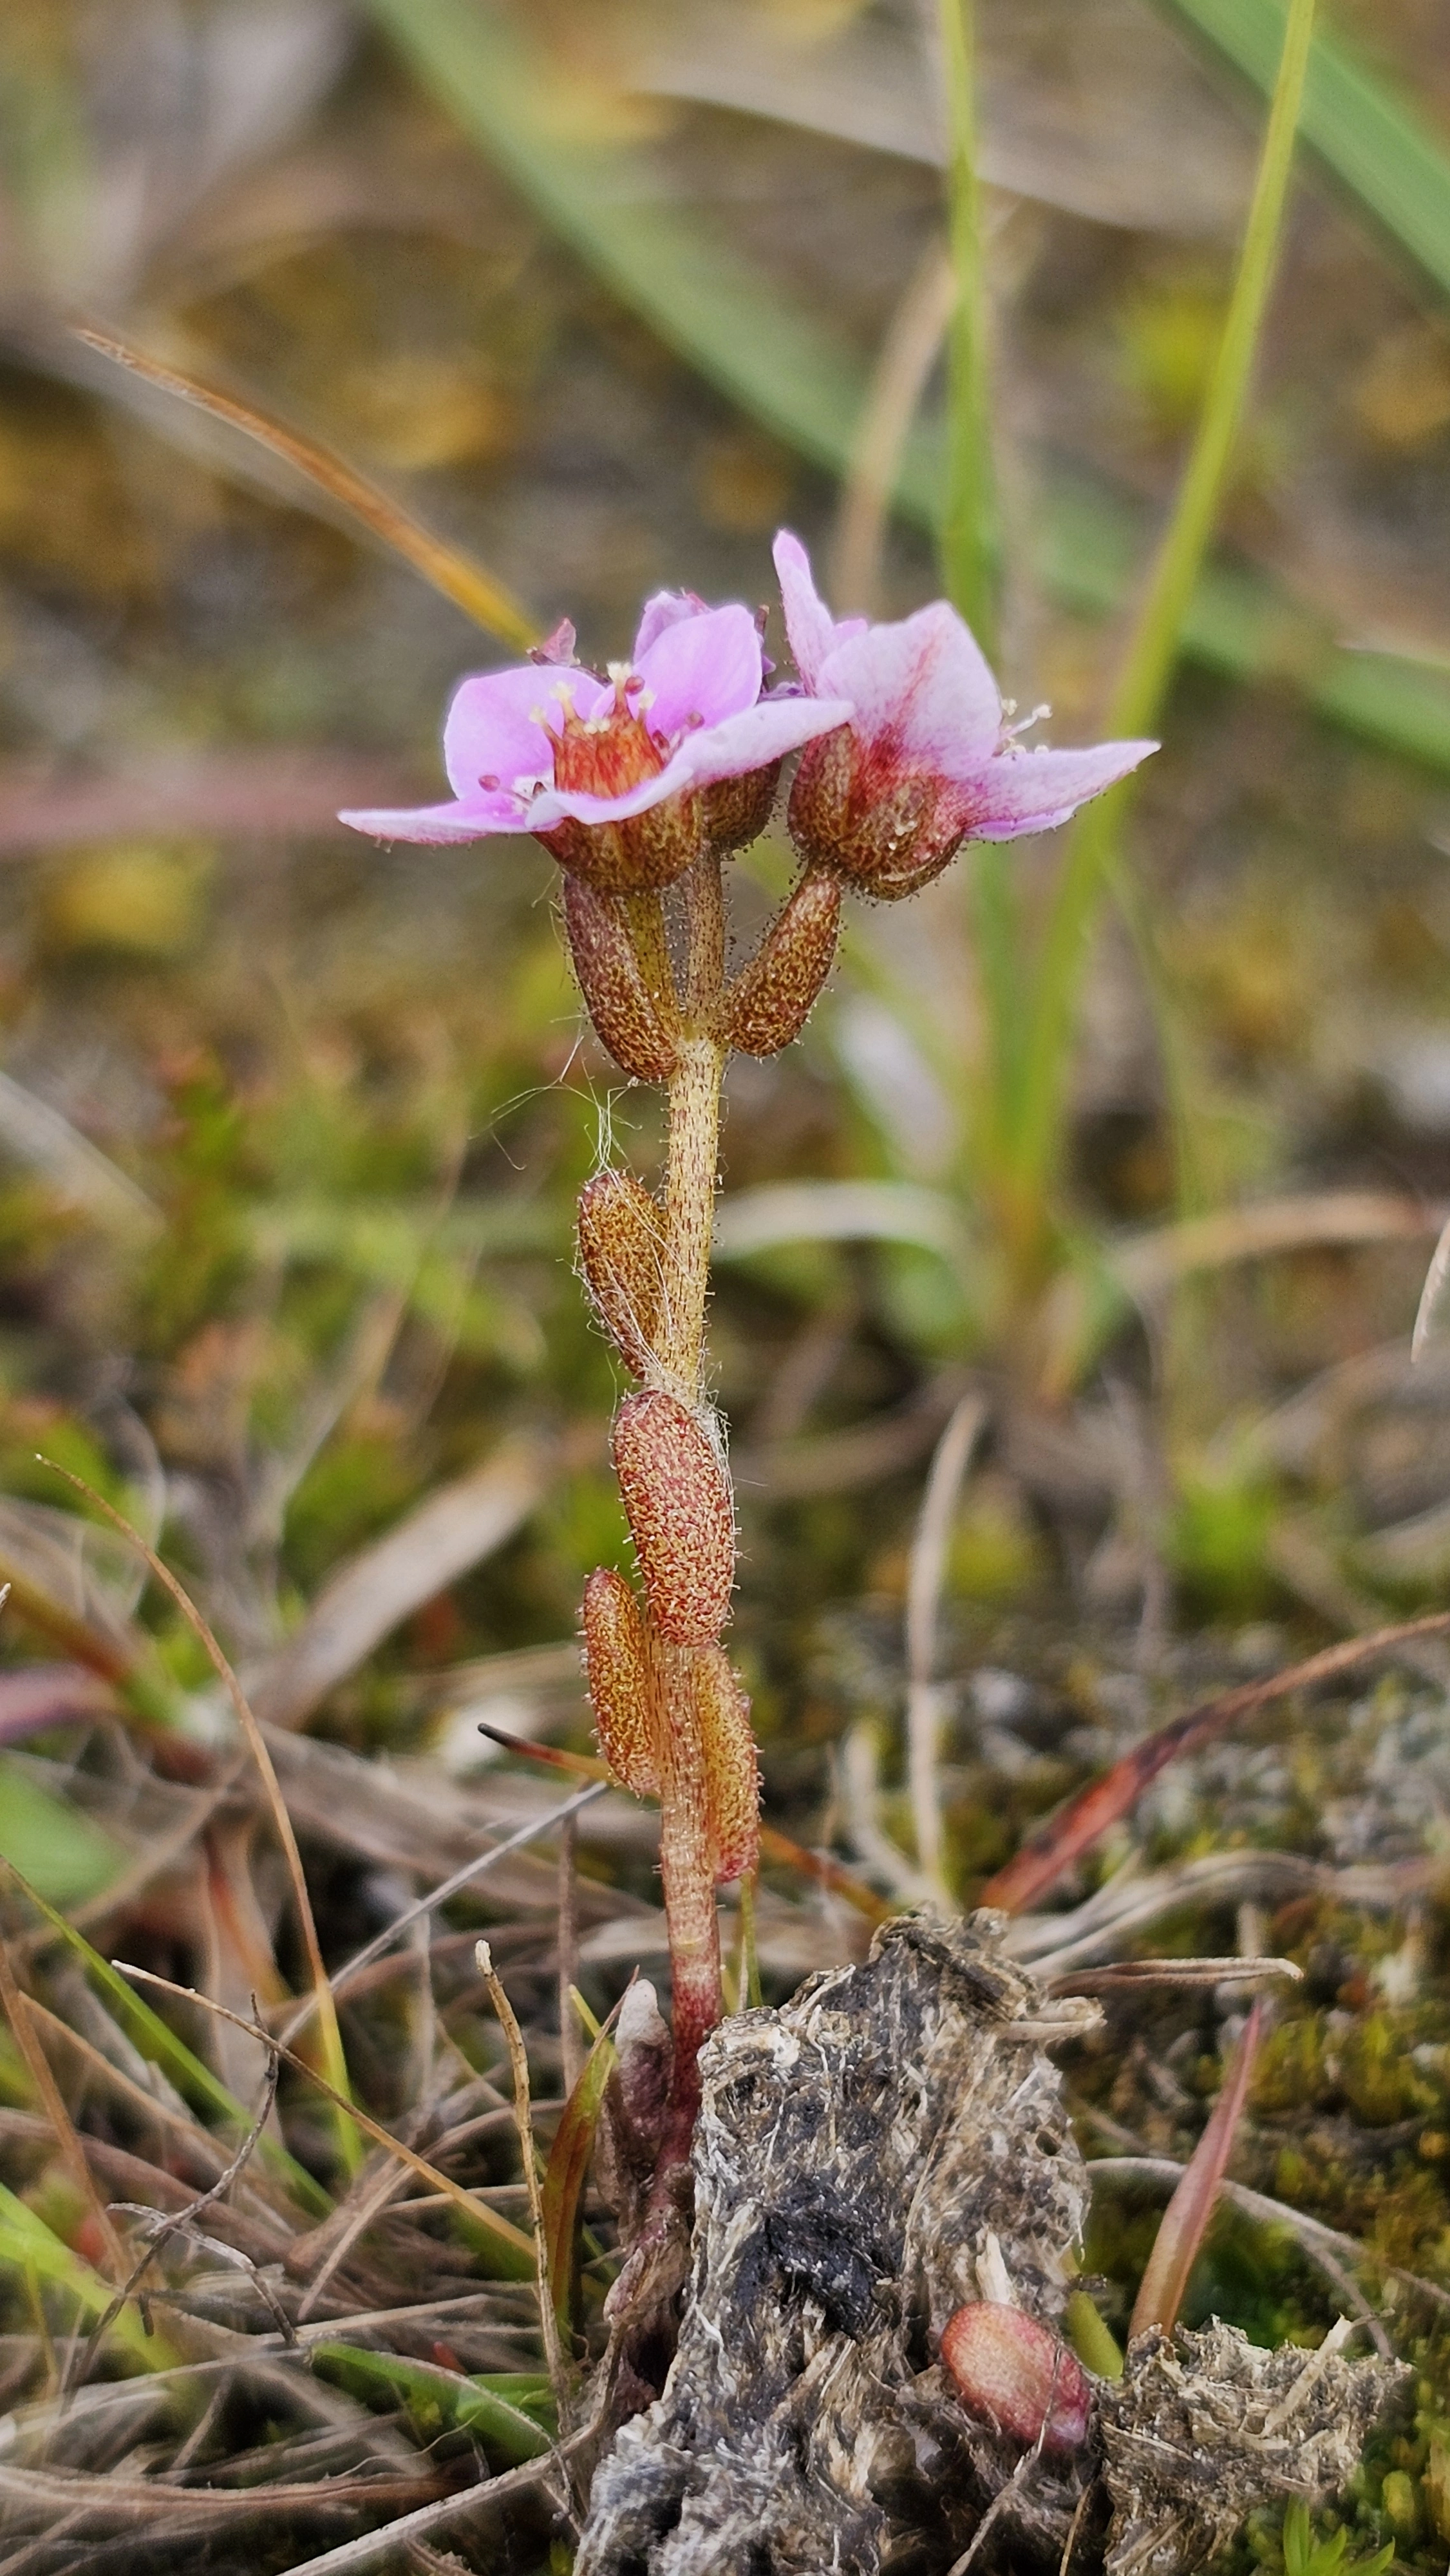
(748,741)
(808,622)
(492,729)
(442,823)
(925,683)
(1034,791)
(701,669)
(665,609)
(761,734)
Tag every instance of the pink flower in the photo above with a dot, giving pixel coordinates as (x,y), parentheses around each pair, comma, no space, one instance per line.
(927,759)
(614,775)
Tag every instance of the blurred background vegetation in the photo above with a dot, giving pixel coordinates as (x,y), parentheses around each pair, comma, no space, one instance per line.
(290,1125)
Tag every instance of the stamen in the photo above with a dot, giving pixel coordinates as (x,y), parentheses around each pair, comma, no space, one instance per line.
(1010,732)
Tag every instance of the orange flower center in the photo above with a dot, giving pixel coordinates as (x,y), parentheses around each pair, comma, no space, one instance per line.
(606,755)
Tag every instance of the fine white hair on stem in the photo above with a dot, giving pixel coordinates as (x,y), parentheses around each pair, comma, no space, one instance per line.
(925,1577)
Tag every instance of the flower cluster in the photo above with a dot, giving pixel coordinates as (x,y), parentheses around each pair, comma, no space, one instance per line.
(630,776)
(638,779)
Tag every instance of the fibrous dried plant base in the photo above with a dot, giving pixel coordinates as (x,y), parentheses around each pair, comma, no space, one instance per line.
(1203,2427)
(858,2153)
(886,2148)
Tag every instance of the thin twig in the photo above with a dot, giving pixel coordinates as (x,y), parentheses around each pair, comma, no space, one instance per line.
(1074,2526)
(177,2221)
(282,1821)
(462,2200)
(554,2362)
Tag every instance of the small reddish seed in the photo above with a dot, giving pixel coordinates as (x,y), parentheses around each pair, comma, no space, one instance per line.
(1010,2369)
(680,1516)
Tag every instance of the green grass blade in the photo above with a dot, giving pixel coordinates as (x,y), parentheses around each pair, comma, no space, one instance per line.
(784,367)
(968,532)
(55,1844)
(27,2244)
(1154,647)
(1373,142)
(788,370)
(155,2039)
(440,2401)
(568,2165)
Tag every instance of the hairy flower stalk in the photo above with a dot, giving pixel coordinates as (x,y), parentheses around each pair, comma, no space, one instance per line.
(640,782)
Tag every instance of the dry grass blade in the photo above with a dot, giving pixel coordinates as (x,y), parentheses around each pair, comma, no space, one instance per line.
(925,1577)
(1077,1825)
(322,1991)
(1185,2220)
(908,354)
(506,2238)
(266,792)
(410,2528)
(76,1169)
(528,2155)
(1131,1899)
(1430,1295)
(436,1896)
(460,579)
(17,2013)
(1173,1972)
(196,2082)
(366,1598)
(1153,1262)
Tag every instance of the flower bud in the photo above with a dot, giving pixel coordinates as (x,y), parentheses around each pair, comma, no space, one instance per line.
(1017,2373)
(886,828)
(642,2076)
(620,1251)
(681,1517)
(772,998)
(624,1011)
(621,1681)
(732,1771)
(738,809)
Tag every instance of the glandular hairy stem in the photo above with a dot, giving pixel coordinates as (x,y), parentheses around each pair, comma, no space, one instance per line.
(694,1146)
(688,1876)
